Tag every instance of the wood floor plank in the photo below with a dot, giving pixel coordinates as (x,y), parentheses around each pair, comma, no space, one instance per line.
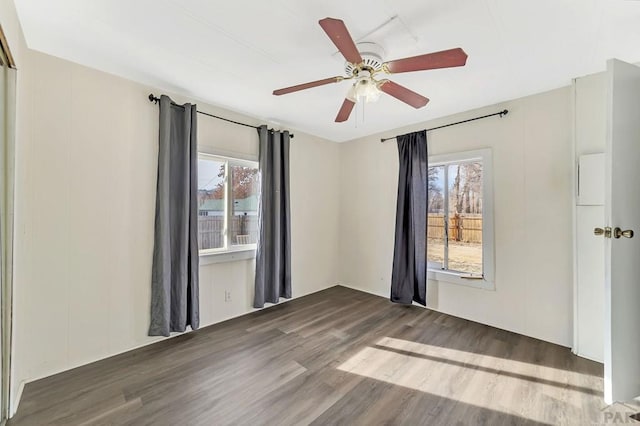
(336,357)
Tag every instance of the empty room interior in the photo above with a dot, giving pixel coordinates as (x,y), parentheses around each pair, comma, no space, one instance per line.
(319,213)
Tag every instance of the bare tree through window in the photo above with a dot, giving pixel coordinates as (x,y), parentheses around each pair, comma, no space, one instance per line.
(455,216)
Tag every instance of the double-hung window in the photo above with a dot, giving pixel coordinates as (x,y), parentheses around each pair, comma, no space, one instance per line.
(227,204)
(460,218)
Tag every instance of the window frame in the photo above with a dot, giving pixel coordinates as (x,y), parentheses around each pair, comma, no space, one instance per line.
(487,281)
(228,251)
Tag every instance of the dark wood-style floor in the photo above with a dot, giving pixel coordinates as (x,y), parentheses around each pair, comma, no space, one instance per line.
(335,357)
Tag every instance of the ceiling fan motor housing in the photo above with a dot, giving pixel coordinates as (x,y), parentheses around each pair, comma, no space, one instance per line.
(371,54)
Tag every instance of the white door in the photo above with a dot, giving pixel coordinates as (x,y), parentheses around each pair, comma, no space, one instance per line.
(622,248)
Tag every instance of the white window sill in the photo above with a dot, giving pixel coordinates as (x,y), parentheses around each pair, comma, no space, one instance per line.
(208,258)
(458,278)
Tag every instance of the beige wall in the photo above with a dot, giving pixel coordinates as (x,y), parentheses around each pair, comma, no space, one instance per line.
(86,180)
(532,180)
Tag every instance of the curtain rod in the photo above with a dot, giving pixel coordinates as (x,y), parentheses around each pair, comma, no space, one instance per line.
(155,100)
(501,113)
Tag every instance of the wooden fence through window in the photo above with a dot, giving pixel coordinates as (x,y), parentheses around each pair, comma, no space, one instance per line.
(464,228)
(243,230)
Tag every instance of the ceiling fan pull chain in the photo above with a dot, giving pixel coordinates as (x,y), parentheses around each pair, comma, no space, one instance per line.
(363,111)
(356,114)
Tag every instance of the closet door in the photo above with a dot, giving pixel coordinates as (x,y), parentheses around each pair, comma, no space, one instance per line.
(7,173)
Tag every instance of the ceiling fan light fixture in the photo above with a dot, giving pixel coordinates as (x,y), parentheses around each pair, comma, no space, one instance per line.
(364,90)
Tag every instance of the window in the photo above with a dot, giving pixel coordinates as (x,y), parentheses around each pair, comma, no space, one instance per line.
(460,218)
(227,204)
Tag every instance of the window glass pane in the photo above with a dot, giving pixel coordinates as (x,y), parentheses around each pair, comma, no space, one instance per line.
(211,206)
(244,199)
(435,228)
(465,217)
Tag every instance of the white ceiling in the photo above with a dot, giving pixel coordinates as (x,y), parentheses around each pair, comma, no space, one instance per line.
(235,53)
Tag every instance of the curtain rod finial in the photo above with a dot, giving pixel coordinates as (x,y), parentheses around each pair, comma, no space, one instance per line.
(153,98)
(504,112)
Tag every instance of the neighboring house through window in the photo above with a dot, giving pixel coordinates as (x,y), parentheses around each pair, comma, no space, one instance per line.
(227,204)
(460,218)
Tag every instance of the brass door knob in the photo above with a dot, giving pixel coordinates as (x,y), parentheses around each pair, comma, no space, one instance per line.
(617,233)
(606,231)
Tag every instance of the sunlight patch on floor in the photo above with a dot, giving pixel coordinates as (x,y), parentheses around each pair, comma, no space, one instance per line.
(509,365)
(500,384)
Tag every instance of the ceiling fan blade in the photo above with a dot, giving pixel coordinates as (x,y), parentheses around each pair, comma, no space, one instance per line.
(402,93)
(309,85)
(444,59)
(345,110)
(339,35)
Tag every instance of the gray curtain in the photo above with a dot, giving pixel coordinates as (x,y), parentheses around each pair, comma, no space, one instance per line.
(273,256)
(409,277)
(174,286)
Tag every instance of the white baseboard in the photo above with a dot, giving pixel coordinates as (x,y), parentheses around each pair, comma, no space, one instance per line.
(15,400)
(375,293)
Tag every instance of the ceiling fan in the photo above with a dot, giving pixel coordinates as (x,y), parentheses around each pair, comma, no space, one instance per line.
(364,67)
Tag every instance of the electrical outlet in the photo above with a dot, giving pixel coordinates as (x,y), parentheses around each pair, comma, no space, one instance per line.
(227,296)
